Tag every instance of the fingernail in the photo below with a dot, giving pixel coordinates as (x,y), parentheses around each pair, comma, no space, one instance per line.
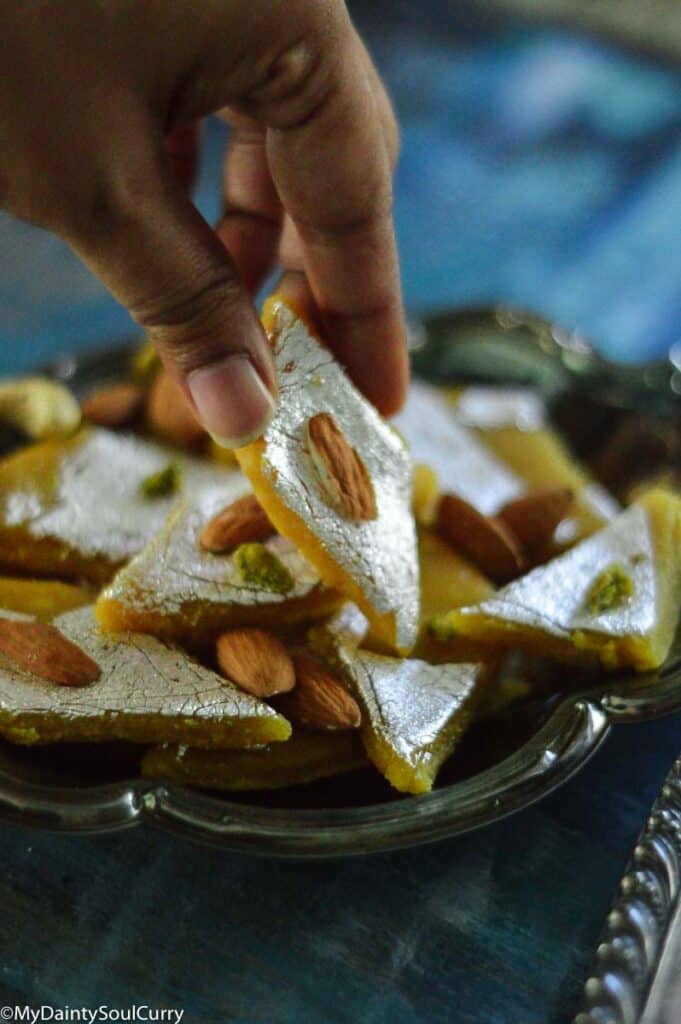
(232,401)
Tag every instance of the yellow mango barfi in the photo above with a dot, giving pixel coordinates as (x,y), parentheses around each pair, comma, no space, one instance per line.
(306,757)
(613,599)
(80,508)
(41,598)
(413,713)
(147,692)
(335,479)
(176,590)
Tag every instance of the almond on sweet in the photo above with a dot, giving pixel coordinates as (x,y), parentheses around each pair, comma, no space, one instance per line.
(487,542)
(43,650)
(242,522)
(256,661)
(534,517)
(115,406)
(319,701)
(170,415)
(342,475)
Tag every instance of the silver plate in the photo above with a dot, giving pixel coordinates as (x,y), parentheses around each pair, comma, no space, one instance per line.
(536,747)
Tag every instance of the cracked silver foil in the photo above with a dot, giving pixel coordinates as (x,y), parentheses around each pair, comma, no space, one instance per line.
(97,507)
(463,464)
(173,571)
(379,555)
(553,597)
(409,704)
(146,687)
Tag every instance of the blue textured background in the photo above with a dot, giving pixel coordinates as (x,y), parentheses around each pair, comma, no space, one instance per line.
(537,169)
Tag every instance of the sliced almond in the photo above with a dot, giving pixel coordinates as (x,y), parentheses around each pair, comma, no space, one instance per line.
(319,701)
(534,517)
(256,661)
(342,475)
(170,415)
(242,522)
(486,542)
(43,650)
(114,407)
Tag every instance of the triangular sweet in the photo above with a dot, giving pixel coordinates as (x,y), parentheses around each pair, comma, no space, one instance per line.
(366,550)
(148,692)
(176,590)
(77,508)
(413,713)
(613,599)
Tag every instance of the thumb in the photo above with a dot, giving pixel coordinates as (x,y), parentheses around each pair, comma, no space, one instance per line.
(150,246)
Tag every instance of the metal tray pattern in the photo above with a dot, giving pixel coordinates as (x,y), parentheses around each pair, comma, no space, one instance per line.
(629,953)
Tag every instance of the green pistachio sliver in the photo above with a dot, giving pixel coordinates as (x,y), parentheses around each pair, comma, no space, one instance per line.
(610,589)
(163,483)
(259,567)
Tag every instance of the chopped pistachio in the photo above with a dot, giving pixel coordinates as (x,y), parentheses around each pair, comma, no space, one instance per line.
(162,484)
(611,588)
(440,627)
(259,566)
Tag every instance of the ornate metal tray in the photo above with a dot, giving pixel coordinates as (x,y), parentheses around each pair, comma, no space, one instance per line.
(529,749)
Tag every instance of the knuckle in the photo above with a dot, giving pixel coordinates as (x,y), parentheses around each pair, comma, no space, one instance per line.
(192,328)
(111,203)
(305,72)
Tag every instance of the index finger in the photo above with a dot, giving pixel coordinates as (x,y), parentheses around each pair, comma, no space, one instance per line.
(332,170)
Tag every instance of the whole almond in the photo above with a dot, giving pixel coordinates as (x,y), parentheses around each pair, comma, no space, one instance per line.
(534,517)
(170,415)
(114,407)
(256,661)
(241,522)
(44,651)
(486,542)
(341,472)
(319,701)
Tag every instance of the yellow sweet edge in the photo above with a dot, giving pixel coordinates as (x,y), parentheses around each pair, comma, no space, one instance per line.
(306,757)
(198,622)
(42,598)
(34,469)
(581,647)
(447,581)
(418,775)
(20,552)
(425,493)
(289,525)
(32,728)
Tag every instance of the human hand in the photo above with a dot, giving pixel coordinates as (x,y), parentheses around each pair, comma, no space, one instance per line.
(99,103)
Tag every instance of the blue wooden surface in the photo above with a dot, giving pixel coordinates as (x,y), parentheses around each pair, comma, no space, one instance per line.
(537,169)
